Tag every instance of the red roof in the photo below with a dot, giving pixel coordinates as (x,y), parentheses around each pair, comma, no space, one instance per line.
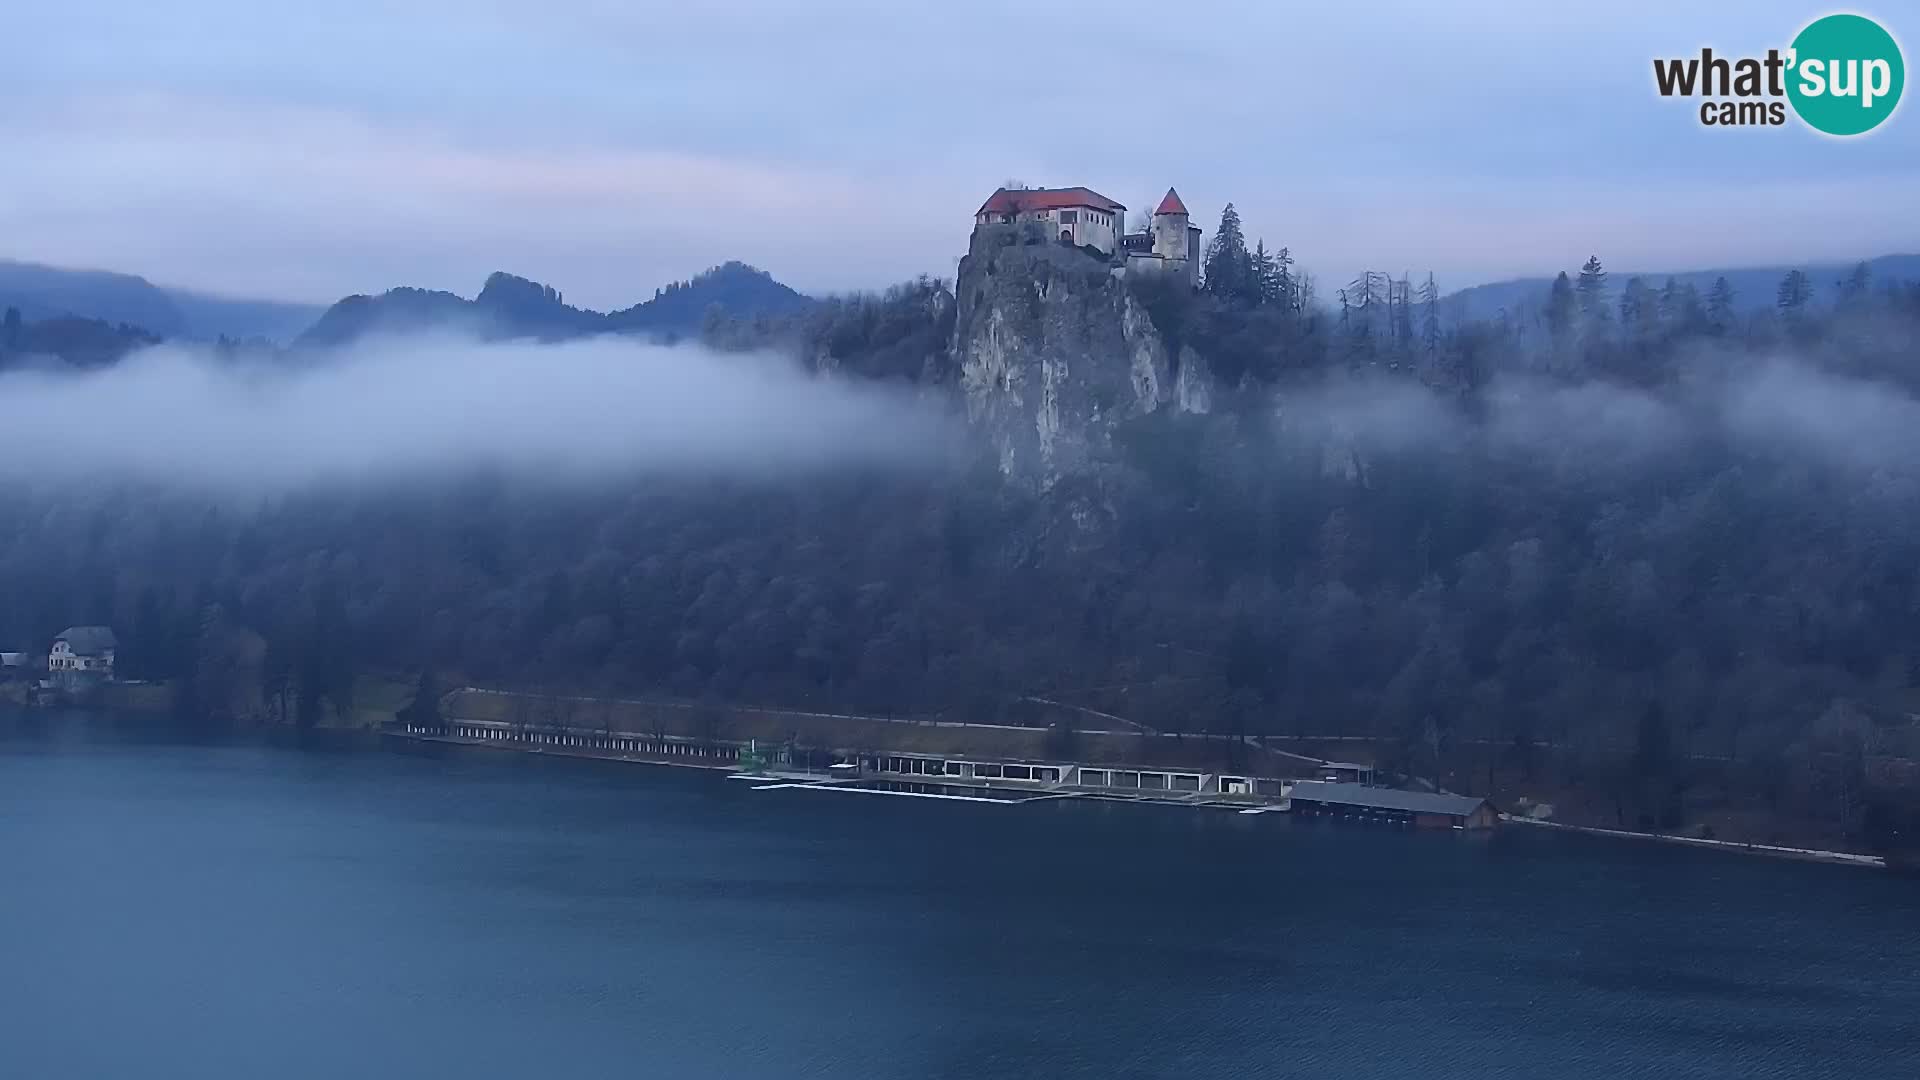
(1171,204)
(1008,201)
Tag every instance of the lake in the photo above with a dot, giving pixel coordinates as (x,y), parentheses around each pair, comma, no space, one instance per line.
(172,907)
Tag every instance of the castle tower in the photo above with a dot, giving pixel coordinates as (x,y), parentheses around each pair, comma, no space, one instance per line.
(1175,238)
(1170,227)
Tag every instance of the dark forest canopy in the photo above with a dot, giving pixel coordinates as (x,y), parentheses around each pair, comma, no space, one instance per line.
(1636,529)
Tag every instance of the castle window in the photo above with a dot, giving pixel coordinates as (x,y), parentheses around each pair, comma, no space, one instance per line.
(1068,217)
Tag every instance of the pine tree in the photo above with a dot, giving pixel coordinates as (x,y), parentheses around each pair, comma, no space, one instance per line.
(1795,290)
(424,710)
(1263,274)
(1228,269)
(1592,290)
(10,328)
(1688,315)
(1638,314)
(1668,306)
(1720,305)
(1286,288)
(1560,308)
(1403,314)
(1430,316)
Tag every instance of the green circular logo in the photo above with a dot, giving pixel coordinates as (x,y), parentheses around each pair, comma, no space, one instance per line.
(1846,74)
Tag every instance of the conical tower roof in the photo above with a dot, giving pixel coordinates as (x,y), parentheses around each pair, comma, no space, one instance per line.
(1171,204)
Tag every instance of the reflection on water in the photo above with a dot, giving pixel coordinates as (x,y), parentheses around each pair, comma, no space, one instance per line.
(221,909)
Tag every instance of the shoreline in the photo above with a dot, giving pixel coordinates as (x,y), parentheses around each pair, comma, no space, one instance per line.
(791,779)
(1772,851)
(795,781)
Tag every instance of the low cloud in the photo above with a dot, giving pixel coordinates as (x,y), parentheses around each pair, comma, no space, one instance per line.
(1777,409)
(405,409)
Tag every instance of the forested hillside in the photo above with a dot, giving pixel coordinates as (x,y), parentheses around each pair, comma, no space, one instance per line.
(508,306)
(1634,551)
(49,292)
(66,341)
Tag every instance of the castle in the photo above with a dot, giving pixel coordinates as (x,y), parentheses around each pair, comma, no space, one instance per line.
(1085,218)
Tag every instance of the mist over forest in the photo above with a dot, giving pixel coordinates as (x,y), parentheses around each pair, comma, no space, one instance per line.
(1643,550)
(422,408)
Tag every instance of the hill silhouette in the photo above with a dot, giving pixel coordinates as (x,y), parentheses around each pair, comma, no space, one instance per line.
(509,306)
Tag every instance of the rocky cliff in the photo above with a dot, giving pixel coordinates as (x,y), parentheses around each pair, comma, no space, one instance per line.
(1052,350)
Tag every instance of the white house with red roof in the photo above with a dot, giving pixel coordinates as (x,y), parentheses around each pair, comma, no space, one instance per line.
(1085,218)
(1076,215)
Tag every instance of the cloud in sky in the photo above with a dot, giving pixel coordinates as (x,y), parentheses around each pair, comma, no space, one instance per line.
(607,147)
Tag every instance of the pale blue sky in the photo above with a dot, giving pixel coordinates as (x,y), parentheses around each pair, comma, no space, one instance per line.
(607,146)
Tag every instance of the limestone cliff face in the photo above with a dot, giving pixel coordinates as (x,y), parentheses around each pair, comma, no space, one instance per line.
(1052,350)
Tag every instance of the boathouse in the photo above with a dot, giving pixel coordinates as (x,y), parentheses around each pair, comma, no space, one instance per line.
(1128,780)
(1417,809)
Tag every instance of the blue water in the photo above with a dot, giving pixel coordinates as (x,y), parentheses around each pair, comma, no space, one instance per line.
(245,910)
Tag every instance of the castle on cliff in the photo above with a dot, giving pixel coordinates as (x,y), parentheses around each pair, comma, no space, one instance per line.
(1085,218)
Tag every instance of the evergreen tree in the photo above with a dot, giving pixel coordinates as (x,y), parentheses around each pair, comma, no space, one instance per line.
(1286,288)
(1638,313)
(1430,317)
(1402,311)
(1688,315)
(424,709)
(1720,305)
(1228,269)
(1560,308)
(10,329)
(1795,291)
(1667,307)
(1262,274)
(1592,290)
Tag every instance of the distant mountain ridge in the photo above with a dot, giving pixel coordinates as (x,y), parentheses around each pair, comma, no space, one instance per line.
(1754,287)
(508,306)
(42,292)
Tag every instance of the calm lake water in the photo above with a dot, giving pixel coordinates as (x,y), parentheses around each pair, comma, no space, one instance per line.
(171,908)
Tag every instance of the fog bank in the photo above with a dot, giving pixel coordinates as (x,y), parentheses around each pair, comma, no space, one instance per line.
(1767,408)
(416,407)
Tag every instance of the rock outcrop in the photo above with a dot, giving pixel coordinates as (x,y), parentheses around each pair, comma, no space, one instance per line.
(1053,350)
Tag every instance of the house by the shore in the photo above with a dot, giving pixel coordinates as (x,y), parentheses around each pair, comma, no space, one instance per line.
(81,658)
(1366,803)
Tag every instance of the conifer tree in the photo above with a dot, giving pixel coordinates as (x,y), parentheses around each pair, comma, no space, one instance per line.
(1637,310)
(1795,290)
(1228,269)
(1592,290)
(424,710)
(1560,307)
(1720,305)
(1262,289)
(1286,291)
(1402,291)
(1430,316)
(1667,307)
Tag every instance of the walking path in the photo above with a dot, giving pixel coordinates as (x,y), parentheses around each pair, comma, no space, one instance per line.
(1844,858)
